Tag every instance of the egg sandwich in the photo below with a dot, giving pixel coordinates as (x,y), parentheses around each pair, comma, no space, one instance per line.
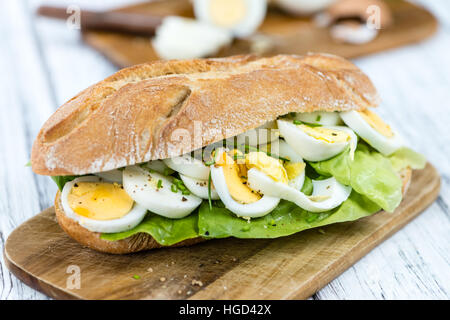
(172,153)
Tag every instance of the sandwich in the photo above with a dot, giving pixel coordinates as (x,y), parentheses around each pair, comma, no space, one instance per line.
(173,153)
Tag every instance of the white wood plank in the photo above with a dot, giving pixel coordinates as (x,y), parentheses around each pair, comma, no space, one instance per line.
(43,64)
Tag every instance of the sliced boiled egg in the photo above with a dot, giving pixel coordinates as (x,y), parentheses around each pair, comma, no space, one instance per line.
(229,179)
(295,166)
(319,117)
(199,187)
(183,38)
(154,192)
(327,194)
(189,166)
(317,143)
(241,17)
(372,129)
(100,206)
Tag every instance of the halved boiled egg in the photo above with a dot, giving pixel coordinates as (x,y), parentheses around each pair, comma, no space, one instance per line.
(183,38)
(317,143)
(189,166)
(100,206)
(154,192)
(229,178)
(319,117)
(241,17)
(327,194)
(372,129)
(199,187)
(295,166)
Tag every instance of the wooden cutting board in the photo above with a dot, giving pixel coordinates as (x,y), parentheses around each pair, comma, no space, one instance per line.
(282,34)
(41,255)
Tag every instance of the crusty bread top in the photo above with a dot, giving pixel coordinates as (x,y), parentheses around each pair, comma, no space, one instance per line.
(136,114)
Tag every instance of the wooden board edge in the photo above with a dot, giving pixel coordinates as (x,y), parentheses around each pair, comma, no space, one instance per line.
(36,283)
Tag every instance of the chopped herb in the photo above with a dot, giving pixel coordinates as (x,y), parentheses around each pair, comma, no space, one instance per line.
(238,156)
(159,185)
(210,163)
(28,164)
(313,124)
(136,277)
(318,118)
(298,122)
(209,190)
(166,171)
(174,188)
(185,192)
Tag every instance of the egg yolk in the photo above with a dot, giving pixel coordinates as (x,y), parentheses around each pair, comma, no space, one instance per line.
(325,134)
(236,181)
(268,165)
(99,200)
(227,13)
(294,169)
(376,122)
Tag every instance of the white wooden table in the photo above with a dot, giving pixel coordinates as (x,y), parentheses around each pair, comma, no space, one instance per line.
(43,64)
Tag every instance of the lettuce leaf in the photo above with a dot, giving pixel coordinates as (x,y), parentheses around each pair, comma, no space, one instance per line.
(165,231)
(370,174)
(62,180)
(284,220)
(405,157)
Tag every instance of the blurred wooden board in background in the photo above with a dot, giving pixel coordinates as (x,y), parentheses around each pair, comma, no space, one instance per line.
(40,254)
(284,34)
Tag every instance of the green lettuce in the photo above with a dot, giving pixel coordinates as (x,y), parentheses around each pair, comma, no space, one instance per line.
(284,220)
(370,174)
(62,180)
(165,231)
(405,157)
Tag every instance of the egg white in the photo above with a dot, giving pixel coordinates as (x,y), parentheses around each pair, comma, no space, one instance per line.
(199,187)
(312,149)
(156,165)
(251,210)
(142,188)
(183,38)
(188,166)
(254,16)
(279,148)
(383,144)
(319,117)
(127,222)
(335,191)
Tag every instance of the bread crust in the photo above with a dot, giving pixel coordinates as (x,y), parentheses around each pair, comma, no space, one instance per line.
(140,241)
(136,114)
